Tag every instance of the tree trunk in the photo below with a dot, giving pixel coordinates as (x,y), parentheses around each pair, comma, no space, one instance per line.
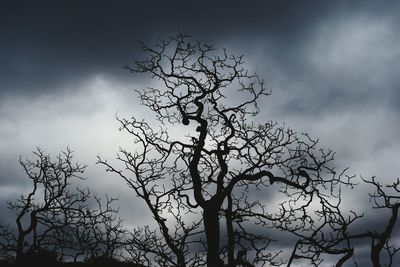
(375,251)
(181,260)
(19,250)
(20,247)
(230,233)
(22,234)
(211,227)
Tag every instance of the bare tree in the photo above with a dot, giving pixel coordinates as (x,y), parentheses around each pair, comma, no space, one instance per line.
(45,209)
(58,221)
(224,155)
(381,241)
(383,248)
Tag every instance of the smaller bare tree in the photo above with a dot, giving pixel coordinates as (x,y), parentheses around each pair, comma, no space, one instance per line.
(332,230)
(383,249)
(45,210)
(58,221)
(381,241)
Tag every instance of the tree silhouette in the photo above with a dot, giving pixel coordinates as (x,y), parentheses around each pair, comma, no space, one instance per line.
(198,182)
(381,241)
(48,208)
(55,221)
(383,249)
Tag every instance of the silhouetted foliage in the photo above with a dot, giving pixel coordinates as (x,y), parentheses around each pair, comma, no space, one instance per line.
(39,256)
(7,244)
(102,260)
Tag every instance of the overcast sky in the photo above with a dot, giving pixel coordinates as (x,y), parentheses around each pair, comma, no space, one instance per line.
(333,66)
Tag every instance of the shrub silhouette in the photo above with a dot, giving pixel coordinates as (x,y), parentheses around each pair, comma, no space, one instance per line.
(39,257)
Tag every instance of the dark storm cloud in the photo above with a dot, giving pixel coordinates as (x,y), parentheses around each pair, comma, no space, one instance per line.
(45,43)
